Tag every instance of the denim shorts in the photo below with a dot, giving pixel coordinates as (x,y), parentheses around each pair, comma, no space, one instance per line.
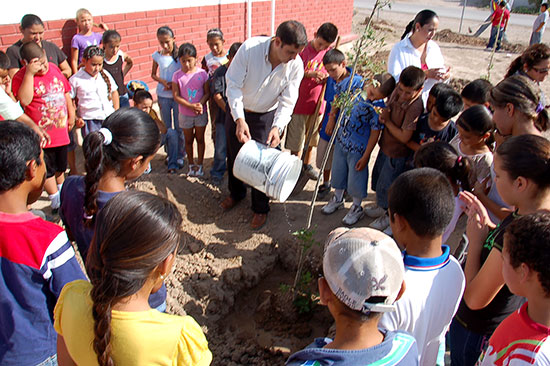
(344,175)
(186,122)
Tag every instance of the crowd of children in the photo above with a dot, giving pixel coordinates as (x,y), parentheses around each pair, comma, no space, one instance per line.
(396,292)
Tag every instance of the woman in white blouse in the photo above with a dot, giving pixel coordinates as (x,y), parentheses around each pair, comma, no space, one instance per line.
(417,48)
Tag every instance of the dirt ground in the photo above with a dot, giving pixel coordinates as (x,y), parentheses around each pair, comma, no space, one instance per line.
(231,279)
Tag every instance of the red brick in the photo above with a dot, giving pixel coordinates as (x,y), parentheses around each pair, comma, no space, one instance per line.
(136,15)
(112,18)
(137,45)
(6,29)
(10,39)
(173,11)
(129,39)
(154,13)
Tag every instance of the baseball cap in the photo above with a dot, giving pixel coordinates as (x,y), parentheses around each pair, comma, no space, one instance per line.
(362,263)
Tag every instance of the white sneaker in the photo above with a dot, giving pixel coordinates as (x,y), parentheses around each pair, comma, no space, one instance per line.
(354,214)
(192,172)
(374,211)
(381,223)
(332,206)
(199,172)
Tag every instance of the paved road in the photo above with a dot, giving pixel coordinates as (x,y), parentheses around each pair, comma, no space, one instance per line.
(446,10)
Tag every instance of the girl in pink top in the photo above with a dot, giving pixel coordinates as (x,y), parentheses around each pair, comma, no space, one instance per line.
(191,93)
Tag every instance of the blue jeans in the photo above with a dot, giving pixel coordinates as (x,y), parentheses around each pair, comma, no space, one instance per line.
(124,101)
(220,152)
(91,126)
(466,346)
(50,361)
(170,141)
(384,172)
(344,175)
(536,37)
(492,39)
(169,113)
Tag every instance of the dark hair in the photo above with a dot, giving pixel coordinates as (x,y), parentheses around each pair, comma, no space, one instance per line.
(448,104)
(527,156)
(4,61)
(478,120)
(109,36)
(387,83)
(334,56)
(214,33)
(442,156)
(29,20)
(423,17)
(18,145)
(135,232)
(502,4)
(31,50)
(477,91)
(233,49)
(412,77)
(292,33)
(524,95)
(187,49)
(545,5)
(140,95)
(528,241)
(530,57)
(134,134)
(425,199)
(92,51)
(167,31)
(328,32)
(439,88)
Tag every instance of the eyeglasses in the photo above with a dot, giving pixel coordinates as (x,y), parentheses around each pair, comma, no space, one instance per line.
(541,71)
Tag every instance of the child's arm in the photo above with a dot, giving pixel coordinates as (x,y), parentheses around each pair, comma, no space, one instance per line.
(219,101)
(74,60)
(413,145)
(25,93)
(167,84)
(63,356)
(128,64)
(331,122)
(65,69)
(499,211)
(115,99)
(403,135)
(178,98)
(206,95)
(70,111)
(364,161)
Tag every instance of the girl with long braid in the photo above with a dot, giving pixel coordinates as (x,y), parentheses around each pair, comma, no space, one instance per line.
(108,321)
(94,91)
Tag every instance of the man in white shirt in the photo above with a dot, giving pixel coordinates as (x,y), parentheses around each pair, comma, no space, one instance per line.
(262,88)
(539,25)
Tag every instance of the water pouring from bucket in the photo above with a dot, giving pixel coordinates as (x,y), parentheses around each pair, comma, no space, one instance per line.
(268,170)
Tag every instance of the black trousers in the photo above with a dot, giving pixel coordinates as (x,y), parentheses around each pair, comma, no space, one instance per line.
(259,125)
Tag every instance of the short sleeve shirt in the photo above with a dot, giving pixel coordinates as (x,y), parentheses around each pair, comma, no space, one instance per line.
(48,108)
(53,53)
(405,116)
(309,89)
(542,18)
(80,42)
(191,87)
(8,108)
(167,67)
(424,133)
(356,128)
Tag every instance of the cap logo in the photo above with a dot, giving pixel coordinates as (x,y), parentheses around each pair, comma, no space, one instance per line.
(379,284)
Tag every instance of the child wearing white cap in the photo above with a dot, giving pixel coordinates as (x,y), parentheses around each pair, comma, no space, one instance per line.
(363,271)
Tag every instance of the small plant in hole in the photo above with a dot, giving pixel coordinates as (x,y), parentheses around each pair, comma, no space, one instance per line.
(305,299)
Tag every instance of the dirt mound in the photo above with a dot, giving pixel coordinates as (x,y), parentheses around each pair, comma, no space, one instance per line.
(447,35)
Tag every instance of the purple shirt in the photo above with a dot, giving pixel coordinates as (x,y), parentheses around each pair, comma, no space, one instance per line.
(191,88)
(80,42)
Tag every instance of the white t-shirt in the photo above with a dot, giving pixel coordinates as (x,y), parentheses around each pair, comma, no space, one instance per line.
(434,287)
(542,18)
(167,67)
(403,54)
(93,94)
(8,108)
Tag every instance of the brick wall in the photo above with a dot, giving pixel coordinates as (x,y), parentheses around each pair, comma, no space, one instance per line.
(138,29)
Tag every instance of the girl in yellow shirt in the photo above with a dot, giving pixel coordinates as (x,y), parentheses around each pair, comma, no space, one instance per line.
(108,321)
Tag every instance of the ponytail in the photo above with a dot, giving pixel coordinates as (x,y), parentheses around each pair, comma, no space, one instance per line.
(106,79)
(134,133)
(443,157)
(136,231)
(408,29)
(514,67)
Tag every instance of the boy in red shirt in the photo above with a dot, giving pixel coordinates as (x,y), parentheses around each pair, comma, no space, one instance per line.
(43,92)
(500,18)
(523,337)
(310,90)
